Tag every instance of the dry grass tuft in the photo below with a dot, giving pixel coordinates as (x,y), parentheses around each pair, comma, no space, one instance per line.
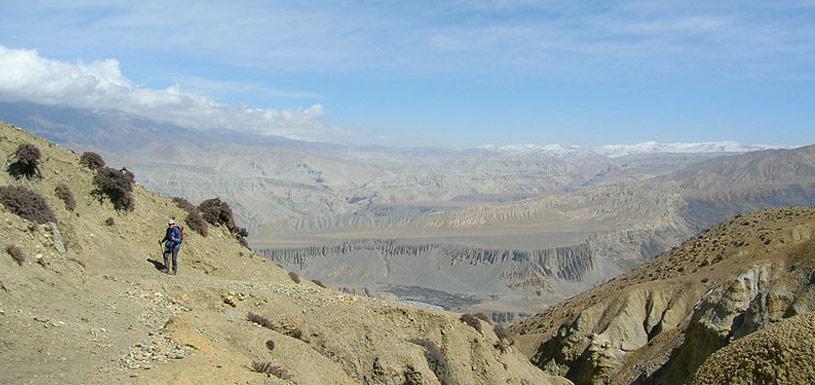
(16,253)
(436,360)
(471,320)
(64,193)
(271,369)
(260,320)
(294,277)
(501,332)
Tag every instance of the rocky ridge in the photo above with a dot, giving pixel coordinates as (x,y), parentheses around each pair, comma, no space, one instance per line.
(662,322)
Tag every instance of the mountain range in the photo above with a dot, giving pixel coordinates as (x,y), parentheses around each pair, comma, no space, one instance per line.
(506,230)
(83,299)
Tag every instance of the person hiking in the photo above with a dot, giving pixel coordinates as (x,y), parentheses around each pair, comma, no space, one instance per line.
(172,243)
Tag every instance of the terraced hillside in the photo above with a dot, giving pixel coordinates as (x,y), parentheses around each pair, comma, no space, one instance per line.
(695,313)
(83,302)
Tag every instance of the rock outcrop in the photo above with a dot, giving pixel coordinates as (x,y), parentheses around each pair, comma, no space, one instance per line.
(782,353)
(663,321)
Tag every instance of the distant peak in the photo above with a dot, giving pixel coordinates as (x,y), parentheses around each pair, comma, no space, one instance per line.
(652,147)
(620,150)
(554,149)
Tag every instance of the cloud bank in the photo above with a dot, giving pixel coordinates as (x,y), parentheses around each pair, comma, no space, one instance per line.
(25,76)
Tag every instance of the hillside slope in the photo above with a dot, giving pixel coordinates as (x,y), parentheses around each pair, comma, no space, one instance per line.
(661,322)
(607,230)
(89,306)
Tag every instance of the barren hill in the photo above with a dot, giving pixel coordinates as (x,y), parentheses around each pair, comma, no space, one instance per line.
(694,312)
(87,305)
(534,252)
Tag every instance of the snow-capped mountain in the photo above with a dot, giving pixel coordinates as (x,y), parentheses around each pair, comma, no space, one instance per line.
(570,151)
(554,150)
(652,147)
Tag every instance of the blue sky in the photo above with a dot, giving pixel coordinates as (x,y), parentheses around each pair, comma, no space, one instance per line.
(434,73)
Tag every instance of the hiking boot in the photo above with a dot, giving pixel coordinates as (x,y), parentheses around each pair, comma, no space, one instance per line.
(173,273)
(165,271)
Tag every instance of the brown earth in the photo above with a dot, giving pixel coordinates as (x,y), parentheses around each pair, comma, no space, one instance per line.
(780,354)
(661,322)
(89,306)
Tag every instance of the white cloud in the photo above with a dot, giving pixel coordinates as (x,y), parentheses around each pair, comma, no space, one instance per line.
(27,76)
(205,86)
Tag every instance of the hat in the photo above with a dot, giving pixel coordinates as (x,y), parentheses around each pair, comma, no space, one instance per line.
(171,222)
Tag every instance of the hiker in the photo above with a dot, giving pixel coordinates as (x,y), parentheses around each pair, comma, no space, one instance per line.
(172,243)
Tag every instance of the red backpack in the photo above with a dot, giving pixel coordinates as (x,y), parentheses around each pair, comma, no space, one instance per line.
(181,233)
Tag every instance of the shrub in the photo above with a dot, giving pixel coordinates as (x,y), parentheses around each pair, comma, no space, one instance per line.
(217,212)
(64,193)
(471,320)
(260,320)
(319,283)
(270,344)
(184,204)
(483,317)
(436,360)
(194,219)
(116,185)
(16,254)
(501,332)
(504,339)
(294,277)
(110,221)
(25,162)
(240,231)
(26,203)
(91,160)
(240,234)
(197,223)
(270,369)
(127,173)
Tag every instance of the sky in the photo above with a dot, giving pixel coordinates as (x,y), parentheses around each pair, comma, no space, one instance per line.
(448,73)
